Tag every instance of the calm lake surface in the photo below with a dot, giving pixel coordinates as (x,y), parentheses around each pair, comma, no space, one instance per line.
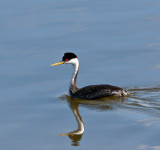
(117,43)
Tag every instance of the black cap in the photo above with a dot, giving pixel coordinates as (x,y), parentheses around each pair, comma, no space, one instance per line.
(68,56)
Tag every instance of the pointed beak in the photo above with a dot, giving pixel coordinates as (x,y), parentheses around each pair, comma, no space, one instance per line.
(59,63)
(64,134)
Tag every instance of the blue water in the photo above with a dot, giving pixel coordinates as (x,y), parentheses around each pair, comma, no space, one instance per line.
(117,42)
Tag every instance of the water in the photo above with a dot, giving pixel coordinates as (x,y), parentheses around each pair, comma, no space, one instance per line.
(117,42)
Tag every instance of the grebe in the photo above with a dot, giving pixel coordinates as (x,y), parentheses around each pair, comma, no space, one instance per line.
(90,92)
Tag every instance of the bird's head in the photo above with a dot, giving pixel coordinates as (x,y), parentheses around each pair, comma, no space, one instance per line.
(68,58)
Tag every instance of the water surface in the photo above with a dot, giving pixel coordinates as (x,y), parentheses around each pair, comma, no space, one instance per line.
(117,42)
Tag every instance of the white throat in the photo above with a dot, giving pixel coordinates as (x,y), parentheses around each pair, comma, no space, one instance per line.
(75,63)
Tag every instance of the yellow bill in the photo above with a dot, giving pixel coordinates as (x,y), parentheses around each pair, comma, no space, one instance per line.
(64,134)
(59,63)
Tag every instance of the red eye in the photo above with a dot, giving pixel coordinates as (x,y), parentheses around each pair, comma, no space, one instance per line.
(66,59)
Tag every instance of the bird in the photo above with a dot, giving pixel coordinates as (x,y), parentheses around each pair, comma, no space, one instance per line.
(91,92)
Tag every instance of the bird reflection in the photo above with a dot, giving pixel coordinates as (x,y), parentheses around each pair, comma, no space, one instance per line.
(76,135)
(101,105)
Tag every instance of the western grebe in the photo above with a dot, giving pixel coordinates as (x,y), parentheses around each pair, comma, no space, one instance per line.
(91,91)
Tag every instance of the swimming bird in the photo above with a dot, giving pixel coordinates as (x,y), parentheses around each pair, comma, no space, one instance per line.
(90,92)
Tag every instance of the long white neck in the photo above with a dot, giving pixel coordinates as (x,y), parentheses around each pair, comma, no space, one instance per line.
(73,86)
(75,72)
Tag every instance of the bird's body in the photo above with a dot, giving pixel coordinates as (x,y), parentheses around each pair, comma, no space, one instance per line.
(98,91)
(92,91)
